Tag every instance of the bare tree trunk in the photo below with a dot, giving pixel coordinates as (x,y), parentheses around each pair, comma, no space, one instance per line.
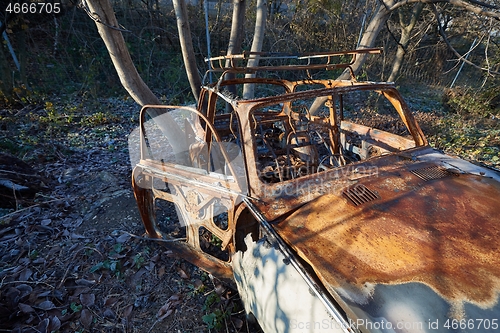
(386,7)
(237,24)
(378,20)
(187,47)
(258,39)
(235,40)
(404,39)
(368,40)
(473,6)
(102,13)
(370,35)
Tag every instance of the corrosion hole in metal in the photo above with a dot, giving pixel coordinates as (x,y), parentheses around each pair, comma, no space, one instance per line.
(430,173)
(211,244)
(167,219)
(359,194)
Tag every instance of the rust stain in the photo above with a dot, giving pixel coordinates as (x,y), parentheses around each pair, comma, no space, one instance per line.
(443,233)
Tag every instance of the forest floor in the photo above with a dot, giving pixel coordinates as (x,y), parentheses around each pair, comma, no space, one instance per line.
(73,258)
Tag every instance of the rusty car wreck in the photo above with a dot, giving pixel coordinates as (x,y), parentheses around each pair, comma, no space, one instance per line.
(322,200)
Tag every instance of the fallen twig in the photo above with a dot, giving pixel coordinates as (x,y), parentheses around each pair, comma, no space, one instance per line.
(153,239)
(27,208)
(27,282)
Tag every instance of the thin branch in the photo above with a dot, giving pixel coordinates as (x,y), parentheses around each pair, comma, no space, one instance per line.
(3,217)
(460,57)
(153,239)
(459,3)
(19,173)
(393,35)
(97,19)
(483,4)
(487,47)
(27,282)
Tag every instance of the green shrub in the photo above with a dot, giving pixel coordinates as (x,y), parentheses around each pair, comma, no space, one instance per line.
(483,102)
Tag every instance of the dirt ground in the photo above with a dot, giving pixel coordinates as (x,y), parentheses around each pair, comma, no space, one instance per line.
(73,258)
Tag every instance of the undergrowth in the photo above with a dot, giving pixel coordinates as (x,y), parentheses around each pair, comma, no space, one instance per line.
(53,127)
(470,126)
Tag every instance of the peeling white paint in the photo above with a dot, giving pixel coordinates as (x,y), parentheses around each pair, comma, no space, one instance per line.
(276,294)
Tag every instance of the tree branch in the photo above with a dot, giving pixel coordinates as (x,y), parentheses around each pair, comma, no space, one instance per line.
(95,17)
(460,57)
(459,3)
(483,4)
(393,35)
(486,49)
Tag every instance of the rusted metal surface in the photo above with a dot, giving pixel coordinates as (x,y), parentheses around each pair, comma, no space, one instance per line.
(357,195)
(440,232)
(236,63)
(190,251)
(277,199)
(274,200)
(200,196)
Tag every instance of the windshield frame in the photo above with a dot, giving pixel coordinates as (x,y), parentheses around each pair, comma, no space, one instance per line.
(270,193)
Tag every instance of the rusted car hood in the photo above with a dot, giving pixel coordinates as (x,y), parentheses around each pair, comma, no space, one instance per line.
(425,238)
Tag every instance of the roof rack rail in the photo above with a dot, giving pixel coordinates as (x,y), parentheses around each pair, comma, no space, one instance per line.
(236,63)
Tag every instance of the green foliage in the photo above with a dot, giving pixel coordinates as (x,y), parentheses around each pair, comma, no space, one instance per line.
(89,252)
(216,241)
(11,146)
(471,127)
(111,264)
(196,290)
(114,266)
(33,254)
(484,102)
(18,96)
(210,300)
(67,56)
(53,115)
(117,249)
(215,317)
(98,118)
(75,307)
(138,260)
(472,139)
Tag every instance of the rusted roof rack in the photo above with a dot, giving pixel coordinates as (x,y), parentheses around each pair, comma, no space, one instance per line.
(237,63)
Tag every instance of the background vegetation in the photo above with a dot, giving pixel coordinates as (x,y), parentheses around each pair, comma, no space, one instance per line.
(63,57)
(66,114)
(65,54)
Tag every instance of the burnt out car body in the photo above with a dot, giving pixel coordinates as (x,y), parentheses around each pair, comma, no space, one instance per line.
(322,200)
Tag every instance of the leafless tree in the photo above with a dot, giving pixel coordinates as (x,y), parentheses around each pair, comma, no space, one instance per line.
(387,7)
(101,11)
(237,27)
(111,33)
(407,23)
(258,39)
(187,47)
(235,39)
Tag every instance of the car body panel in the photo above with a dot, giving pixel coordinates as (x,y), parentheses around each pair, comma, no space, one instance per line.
(440,232)
(275,289)
(307,197)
